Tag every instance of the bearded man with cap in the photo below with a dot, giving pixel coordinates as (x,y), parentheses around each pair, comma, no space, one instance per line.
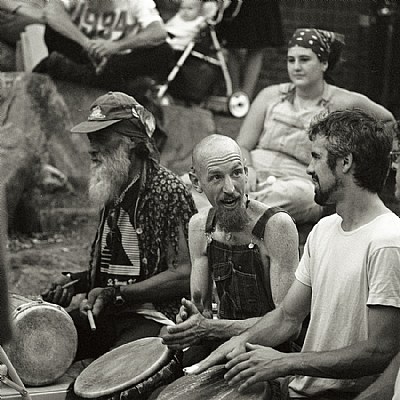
(139,267)
(273,136)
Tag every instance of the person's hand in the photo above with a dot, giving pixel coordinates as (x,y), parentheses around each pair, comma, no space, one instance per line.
(55,293)
(190,329)
(258,364)
(251,179)
(100,48)
(227,350)
(97,300)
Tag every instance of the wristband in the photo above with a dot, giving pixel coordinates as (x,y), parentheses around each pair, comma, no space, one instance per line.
(119,301)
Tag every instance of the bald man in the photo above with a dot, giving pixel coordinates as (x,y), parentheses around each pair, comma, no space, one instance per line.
(249,250)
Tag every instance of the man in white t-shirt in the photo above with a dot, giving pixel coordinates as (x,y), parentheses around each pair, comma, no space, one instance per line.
(348,278)
(387,386)
(105,42)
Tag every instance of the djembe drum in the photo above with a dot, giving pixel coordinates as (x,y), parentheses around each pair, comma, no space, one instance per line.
(44,341)
(210,385)
(131,371)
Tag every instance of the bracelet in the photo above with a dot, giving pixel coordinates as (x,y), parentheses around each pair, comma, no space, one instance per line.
(16,9)
(118,298)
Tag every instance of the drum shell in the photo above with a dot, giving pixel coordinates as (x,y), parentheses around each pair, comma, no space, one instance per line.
(44,341)
(130,371)
(210,385)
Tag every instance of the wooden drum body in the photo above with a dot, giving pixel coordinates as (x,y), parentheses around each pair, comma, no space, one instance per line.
(44,340)
(129,371)
(209,385)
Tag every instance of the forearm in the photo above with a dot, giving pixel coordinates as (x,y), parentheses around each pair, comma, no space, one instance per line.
(59,20)
(152,36)
(162,286)
(225,329)
(273,329)
(35,13)
(361,359)
(383,387)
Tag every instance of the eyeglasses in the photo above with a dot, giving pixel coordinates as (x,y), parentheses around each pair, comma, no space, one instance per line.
(394,156)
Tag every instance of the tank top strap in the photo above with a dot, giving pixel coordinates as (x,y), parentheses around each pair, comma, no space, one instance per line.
(210,224)
(259,227)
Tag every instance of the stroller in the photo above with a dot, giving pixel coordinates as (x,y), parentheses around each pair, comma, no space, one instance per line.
(197,73)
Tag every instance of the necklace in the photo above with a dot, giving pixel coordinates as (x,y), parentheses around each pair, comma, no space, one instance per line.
(122,195)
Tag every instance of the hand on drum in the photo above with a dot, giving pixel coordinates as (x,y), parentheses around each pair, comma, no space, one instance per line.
(227,350)
(57,294)
(257,364)
(190,329)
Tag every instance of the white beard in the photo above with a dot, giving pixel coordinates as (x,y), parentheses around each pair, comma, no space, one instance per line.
(108,176)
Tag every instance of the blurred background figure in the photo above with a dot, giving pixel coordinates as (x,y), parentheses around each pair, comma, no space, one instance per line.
(16,15)
(104,43)
(183,27)
(246,35)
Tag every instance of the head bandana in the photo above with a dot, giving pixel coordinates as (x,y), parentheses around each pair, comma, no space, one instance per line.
(318,40)
(135,130)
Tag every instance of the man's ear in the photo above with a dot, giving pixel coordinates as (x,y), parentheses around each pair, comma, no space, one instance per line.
(347,163)
(195,181)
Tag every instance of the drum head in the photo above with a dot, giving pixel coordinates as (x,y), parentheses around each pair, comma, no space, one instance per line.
(122,368)
(208,385)
(44,342)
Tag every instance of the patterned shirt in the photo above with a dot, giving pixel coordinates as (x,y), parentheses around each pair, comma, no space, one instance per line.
(155,208)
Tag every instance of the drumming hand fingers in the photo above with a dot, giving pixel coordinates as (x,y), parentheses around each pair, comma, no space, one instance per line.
(180,341)
(66,298)
(57,294)
(98,306)
(238,373)
(250,381)
(213,359)
(49,297)
(83,307)
(181,317)
(180,328)
(236,360)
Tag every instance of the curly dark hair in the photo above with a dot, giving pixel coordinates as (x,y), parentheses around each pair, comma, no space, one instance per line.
(362,135)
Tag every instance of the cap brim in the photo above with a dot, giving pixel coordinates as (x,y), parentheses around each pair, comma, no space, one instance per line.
(93,126)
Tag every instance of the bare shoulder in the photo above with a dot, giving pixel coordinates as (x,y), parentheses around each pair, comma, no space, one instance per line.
(346,99)
(281,223)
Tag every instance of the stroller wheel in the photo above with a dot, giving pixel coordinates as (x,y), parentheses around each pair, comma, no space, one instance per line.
(238,104)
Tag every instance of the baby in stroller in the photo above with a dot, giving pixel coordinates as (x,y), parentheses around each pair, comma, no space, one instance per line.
(200,61)
(186,24)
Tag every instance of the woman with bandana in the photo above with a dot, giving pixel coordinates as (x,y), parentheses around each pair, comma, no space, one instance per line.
(273,137)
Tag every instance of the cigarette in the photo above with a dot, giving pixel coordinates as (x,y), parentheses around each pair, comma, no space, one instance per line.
(91,320)
(67,285)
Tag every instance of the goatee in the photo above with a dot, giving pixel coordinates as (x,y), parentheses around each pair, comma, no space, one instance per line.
(232,220)
(108,176)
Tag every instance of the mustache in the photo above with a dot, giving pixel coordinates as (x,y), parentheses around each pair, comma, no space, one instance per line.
(230,197)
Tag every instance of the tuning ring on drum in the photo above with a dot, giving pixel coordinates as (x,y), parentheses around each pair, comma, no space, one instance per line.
(238,104)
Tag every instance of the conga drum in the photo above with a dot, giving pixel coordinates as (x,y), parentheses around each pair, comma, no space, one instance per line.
(130,371)
(209,385)
(44,341)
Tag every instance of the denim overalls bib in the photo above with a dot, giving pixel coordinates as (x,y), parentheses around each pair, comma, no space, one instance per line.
(238,272)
